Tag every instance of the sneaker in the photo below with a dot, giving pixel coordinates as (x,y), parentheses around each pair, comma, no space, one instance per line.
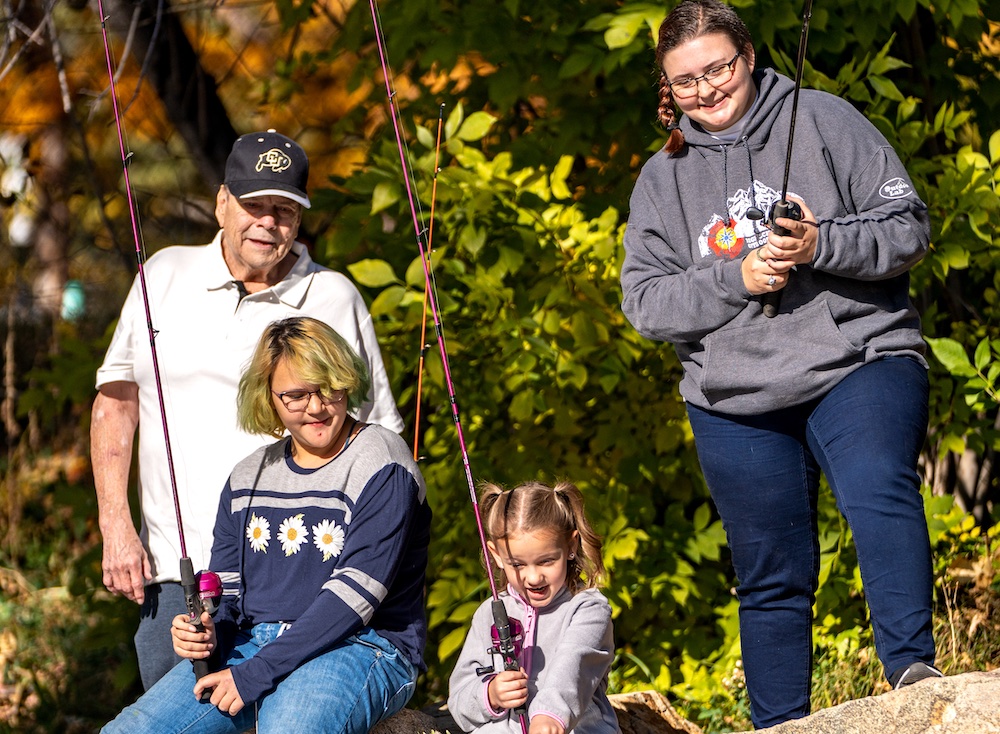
(913,673)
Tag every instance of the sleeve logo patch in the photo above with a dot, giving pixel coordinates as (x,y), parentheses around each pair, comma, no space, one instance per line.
(895,188)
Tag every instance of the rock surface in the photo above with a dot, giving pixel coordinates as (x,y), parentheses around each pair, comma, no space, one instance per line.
(958,704)
(645,712)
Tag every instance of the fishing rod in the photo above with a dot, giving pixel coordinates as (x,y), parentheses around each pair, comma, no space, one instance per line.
(424,346)
(783,207)
(201,591)
(504,629)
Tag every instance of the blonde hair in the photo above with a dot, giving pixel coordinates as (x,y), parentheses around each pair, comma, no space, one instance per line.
(315,353)
(533,507)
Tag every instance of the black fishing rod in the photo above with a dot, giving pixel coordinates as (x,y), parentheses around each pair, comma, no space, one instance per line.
(783,207)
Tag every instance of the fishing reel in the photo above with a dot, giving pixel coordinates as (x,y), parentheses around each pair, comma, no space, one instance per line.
(209,591)
(782,208)
(788,209)
(507,643)
(202,592)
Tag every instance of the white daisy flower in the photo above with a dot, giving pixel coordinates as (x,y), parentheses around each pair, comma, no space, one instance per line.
(258,533)
(328,536)
(292,533)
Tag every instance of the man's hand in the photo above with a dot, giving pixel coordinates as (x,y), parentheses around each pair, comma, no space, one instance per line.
(125,563)
(114,420)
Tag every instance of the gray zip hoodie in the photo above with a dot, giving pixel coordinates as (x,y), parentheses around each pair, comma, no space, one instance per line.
(567,652)
(682,279)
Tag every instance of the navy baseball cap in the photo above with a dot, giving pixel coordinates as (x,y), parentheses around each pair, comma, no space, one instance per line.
(268,163)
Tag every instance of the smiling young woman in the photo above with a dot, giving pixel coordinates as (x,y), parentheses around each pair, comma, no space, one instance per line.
(711,82)
(835,383)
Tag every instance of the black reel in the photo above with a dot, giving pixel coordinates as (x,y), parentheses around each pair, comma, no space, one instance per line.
(788,210)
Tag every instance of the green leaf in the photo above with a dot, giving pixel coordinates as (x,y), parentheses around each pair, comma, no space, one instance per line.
(454,121)
(522,406)
(885,88)
(953,443)
(476,126)
(558,178)
(387,301)
(701,517)
(372,273)
(983,355)
(425,137)
(451,643)
(952,356)
(386,194)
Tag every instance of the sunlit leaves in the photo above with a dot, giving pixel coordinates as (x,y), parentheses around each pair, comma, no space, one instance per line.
(372,273)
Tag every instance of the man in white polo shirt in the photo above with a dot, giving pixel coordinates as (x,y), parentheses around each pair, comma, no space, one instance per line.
(209,305)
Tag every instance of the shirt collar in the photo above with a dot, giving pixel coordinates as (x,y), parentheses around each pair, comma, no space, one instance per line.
(291,289)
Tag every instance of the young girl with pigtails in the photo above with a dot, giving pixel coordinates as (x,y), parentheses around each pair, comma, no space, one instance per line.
(550,559)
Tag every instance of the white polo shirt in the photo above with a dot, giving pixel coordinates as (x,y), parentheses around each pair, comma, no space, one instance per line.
(205,337)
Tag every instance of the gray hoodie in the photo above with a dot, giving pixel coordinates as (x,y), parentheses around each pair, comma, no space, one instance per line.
(567,652)
(682,279)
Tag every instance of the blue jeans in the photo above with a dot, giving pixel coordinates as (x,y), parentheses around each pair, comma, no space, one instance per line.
(153,644)
(763,473)
(359,682)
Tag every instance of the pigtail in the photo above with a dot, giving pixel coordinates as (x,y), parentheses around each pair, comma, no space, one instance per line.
(492,511)
(668,117)
(586,569)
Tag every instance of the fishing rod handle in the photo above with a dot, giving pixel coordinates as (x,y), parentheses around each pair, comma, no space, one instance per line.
(192,600)
(505,644)
(788,210)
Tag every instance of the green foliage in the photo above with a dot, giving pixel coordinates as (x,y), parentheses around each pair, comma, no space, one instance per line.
(542,140)
(551,382)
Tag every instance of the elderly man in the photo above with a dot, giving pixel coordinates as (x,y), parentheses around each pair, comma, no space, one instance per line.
(209,305)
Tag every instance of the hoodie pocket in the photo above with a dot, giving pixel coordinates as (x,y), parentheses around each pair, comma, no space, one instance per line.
(774,363)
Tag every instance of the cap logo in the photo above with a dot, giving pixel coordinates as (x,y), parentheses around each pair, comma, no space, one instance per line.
(275,160)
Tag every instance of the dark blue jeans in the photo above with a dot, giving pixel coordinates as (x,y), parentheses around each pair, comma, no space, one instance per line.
(763,473)
(153,644)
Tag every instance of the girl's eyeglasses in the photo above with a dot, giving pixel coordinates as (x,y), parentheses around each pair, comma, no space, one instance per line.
(296,401)
(688,87)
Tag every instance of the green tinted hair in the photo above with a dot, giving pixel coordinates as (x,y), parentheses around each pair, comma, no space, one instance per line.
(315,354)
(535,507)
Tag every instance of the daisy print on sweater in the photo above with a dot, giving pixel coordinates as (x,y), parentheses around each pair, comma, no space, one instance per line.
(258,533)
(292,533)
(328,536)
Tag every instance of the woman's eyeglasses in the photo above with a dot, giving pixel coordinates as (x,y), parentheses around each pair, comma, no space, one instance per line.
(688,87)
(296,401)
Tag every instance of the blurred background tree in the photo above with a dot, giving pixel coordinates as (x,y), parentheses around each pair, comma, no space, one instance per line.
(547,111)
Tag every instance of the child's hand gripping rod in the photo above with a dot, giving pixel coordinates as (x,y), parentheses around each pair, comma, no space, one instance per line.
(505,645)
(783,207)
(189,581)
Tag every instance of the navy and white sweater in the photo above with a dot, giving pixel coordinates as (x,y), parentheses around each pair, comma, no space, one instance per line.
(328,550)
(682,278)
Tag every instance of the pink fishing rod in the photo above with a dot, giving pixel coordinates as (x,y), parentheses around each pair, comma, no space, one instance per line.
(502,624)
(189,581)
